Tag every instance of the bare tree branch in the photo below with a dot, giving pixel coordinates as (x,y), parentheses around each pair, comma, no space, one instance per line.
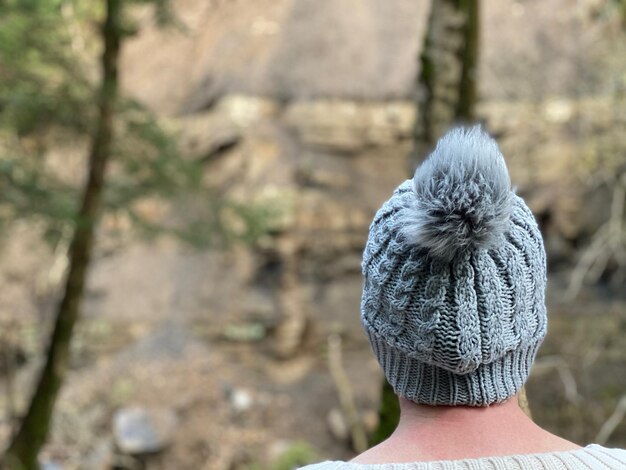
(346,398)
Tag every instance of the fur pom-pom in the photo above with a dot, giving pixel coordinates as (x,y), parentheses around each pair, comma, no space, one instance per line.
(463,196)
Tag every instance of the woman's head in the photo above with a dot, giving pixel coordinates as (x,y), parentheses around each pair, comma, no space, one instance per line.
(455,273)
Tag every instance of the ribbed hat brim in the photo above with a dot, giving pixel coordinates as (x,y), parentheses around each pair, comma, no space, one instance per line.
(427,384)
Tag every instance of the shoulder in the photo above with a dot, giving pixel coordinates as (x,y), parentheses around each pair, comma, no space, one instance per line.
(591,457)
(609,455)
(328,465)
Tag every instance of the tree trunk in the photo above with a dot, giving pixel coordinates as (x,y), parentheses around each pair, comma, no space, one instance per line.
(446,93)
(446,87)
(24,448)
(388,415)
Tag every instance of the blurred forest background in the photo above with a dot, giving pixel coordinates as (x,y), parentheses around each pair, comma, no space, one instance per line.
(236,152)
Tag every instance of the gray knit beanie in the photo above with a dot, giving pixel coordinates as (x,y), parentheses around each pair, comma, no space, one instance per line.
(455,271)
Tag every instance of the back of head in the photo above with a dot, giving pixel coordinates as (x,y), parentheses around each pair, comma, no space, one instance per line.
(455,272)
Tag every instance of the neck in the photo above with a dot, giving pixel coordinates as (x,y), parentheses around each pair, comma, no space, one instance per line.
(417,418)
(461,432)
(462,429)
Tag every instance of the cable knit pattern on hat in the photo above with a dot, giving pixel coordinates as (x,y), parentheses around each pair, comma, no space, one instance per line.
(455,271)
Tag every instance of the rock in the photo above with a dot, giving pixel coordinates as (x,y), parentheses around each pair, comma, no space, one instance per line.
(140,430)
(207,135)
(313,176)
(337,424)
(350,126)
(50,465)
(558,111)
(245,110)
(241,400)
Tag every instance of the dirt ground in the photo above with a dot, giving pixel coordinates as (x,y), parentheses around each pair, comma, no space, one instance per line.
(195,355)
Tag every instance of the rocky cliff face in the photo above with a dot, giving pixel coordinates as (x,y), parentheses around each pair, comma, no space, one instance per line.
(333,162)
(362,50)
(281,48)
(313,96)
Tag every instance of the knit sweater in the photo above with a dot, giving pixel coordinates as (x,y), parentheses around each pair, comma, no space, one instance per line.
(592,457)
